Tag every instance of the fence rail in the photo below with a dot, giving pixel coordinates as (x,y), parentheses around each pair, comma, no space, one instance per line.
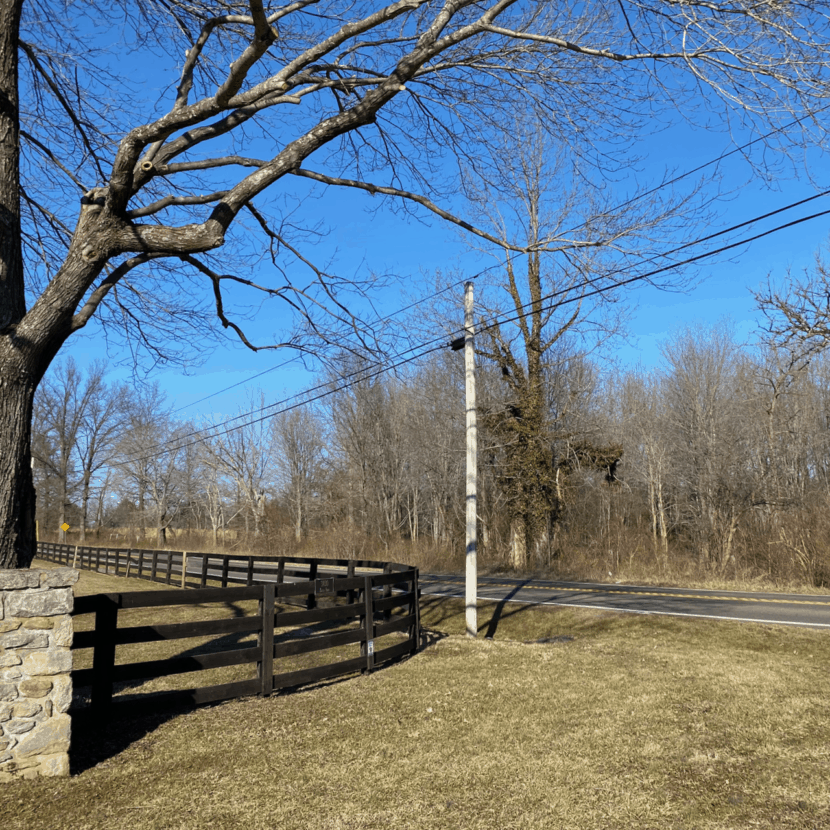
(307,611)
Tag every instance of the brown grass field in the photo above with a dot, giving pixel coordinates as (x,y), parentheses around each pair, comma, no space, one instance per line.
(621,721)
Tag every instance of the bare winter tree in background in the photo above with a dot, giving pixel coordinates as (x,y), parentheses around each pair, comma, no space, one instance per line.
(245,453)
(300,462)
(140,215)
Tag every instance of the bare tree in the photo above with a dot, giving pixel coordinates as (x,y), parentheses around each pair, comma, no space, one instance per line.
(62,406)
(102,425)
(334,90)
(141,470)
(558,289)
(244,450)
(706,396)
(300,461)
(797,316)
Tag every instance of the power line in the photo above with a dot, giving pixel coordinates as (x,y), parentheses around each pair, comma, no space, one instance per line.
(682,247)
(618,207)
(364,374)
(657,271)
(359,377)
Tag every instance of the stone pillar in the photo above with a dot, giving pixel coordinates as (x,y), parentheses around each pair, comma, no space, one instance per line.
(35,666)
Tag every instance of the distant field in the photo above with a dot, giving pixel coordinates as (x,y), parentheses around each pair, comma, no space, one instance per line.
(619,722)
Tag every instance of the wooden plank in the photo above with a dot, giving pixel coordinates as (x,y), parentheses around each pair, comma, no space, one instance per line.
(399,624)
(392,578)
(395,601)
(150,669)
(303,676)
(181,631)
(309,644)
(265,666)
(103,658)
(172,631)
(292,589)
(392,652)
(336,612)
(129,706)
(148,599)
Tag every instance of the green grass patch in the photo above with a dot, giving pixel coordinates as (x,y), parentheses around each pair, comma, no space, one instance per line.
(618,721)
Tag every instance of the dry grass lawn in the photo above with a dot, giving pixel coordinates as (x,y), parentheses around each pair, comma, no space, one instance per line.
(622,721)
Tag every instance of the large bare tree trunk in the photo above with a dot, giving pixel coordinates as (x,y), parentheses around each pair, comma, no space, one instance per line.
(18,364)
(17,492)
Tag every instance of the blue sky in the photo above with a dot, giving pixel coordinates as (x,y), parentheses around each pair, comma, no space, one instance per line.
(362,241)
(385,242)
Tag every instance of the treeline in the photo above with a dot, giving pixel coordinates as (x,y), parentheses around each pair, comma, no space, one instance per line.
(716,464)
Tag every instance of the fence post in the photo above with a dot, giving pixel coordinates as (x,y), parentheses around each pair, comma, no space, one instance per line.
(75,557)
(387,592)
(140,564)
(350,596)
(367,648)
(154,566)
(281,570)
(103,658)
(416,600)
(169,570)
(226,563)
(184,568)
(250,571)
(265,666)
(203,580)
(311,599)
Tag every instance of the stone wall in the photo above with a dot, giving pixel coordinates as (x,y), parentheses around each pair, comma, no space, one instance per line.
(35,665)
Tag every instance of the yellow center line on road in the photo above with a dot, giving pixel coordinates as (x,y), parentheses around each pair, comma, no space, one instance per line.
(645,593)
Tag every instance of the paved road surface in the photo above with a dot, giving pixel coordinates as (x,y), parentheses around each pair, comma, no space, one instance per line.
(786,609)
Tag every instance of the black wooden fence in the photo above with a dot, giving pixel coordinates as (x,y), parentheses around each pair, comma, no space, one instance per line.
(308,612)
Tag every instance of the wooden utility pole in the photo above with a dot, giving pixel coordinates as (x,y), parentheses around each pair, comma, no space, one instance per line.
(472,461)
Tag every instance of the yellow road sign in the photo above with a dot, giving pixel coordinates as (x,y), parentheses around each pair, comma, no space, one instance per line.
(64,527)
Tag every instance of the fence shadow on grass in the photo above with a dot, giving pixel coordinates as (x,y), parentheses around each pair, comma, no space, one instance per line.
(96,739)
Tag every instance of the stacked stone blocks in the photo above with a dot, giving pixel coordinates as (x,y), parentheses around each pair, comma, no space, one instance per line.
(35,666)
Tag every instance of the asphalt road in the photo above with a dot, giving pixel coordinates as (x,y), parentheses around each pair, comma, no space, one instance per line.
(781,609)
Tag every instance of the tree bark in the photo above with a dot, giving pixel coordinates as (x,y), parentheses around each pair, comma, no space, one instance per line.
(17,491)
(18,371)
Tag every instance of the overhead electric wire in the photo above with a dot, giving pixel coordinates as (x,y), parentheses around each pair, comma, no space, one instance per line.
(616,208)
(647,275)
(364,374)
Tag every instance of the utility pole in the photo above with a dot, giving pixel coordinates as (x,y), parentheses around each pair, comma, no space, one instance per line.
(471,582)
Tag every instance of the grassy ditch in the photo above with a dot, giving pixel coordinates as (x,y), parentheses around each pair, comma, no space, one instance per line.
(618,721)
